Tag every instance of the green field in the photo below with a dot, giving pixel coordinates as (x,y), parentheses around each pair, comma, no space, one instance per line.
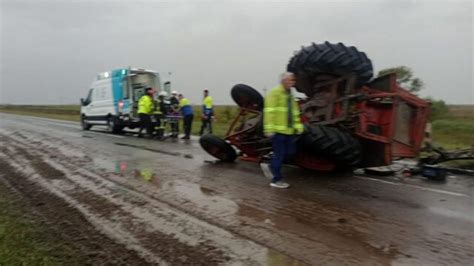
(24,240)
(62,112)
(454,128)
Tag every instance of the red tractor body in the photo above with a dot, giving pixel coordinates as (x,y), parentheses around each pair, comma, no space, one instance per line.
(348,122)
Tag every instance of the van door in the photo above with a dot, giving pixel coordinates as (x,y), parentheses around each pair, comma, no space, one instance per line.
(103,100)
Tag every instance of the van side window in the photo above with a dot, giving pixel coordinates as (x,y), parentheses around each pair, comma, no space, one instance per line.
(125,90)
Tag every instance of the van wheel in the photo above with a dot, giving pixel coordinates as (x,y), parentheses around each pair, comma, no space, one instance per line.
(84,124)
(112,126)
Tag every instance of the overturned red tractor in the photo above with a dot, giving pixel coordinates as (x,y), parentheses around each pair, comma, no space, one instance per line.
(351,120)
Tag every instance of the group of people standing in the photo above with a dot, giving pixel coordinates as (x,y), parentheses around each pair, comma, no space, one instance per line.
(156,114)
(281,119)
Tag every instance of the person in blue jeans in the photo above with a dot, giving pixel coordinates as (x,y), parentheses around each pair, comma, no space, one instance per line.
(207,113)
(281,122)
(187,112)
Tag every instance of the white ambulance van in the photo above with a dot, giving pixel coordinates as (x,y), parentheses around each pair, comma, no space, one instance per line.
(113,97)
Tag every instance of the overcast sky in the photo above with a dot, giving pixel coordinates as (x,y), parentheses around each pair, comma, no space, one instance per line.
(52,50)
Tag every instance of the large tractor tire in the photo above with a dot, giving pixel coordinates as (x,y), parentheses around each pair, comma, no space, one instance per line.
(332,144)
(329,59)
(247,97)
(218,148)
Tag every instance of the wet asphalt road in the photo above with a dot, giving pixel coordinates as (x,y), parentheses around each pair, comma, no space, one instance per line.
(142,188)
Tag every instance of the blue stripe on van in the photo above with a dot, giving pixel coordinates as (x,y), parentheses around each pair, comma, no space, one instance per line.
(117,91)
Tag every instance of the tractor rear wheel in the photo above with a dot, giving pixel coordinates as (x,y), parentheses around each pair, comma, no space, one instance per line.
(328,59)
(218,148)
(332,144)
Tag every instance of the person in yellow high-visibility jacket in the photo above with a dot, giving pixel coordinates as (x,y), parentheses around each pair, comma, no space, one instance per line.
(207,113)
(281,122)
(145,109)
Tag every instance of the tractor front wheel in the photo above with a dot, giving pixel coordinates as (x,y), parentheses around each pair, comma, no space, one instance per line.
(218,148)
(247,97)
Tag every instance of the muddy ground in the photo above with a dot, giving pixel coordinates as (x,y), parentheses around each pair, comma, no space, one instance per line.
(128,200)
(64,223)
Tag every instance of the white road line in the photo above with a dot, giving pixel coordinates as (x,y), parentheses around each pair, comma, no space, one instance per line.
(34,118)
(37,118)
(66,124)
(78,127)
(415,186)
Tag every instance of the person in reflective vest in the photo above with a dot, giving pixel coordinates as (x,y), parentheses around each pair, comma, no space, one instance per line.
(145,109)
(188,116)
(207,113)
(174,122)
(281,122)
(160,114)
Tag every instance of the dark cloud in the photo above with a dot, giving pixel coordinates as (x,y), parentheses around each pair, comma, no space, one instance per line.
(51,51)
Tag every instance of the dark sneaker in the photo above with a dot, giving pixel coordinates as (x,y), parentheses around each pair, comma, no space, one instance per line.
(279,184)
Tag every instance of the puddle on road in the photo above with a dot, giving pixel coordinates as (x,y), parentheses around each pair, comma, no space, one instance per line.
(145,174)
(70,153)
(202,198)
(190,193)
(177,154)
(469,217)
(127,169)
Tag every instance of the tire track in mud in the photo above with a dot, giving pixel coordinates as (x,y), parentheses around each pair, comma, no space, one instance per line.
(28,175)
(331,229)
(279,238)
(204,249)
(324,242)
(71,164)
(65,222)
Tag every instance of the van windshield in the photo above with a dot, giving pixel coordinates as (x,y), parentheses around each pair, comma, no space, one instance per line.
(88,99)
